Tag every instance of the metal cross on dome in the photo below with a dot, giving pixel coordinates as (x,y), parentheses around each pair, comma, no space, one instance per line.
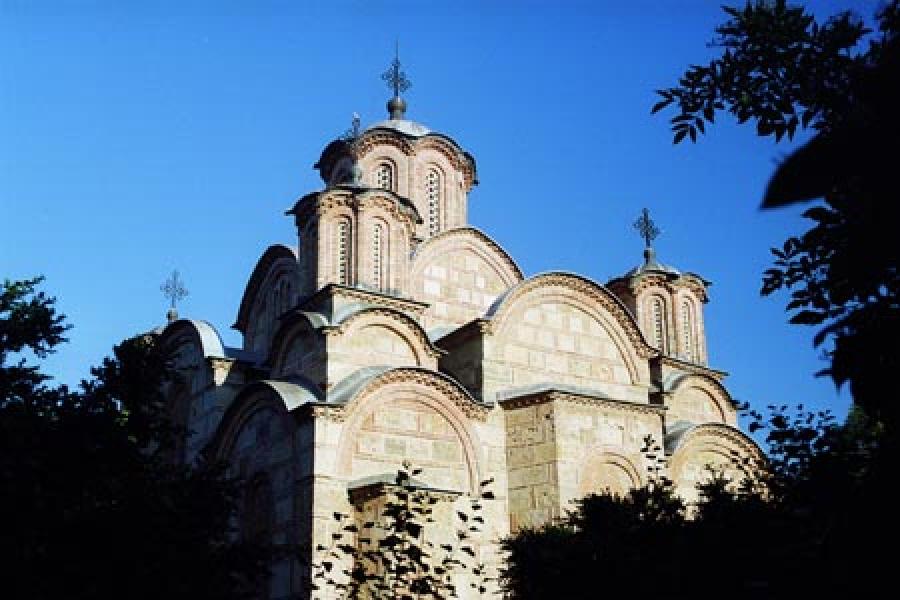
(394,77)
(647,228)
(173,289)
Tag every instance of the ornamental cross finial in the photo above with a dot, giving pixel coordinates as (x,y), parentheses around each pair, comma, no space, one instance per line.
(394,77)
(353,133)
(647,228)
(173,289)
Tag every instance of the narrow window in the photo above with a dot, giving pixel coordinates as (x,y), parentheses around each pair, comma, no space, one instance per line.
(384,177)
(433,194)
(378,257)
(658,324)
(687,330)
(343,243)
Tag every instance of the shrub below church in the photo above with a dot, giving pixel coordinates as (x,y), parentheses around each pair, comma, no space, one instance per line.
(91,505)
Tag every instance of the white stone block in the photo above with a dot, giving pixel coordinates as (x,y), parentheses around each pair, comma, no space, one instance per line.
(432,288)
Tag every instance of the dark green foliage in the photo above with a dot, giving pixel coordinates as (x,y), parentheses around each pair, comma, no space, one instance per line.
(393,555)
(91,505)
(784,70)
(28,324)
(780,68)
(808,523)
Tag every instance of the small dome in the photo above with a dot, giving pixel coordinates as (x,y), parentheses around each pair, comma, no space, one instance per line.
(651,265)
(403,126)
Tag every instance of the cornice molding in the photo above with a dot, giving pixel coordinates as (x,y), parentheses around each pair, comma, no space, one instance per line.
(692,368)
(333,290)
(437,382)
(545,397)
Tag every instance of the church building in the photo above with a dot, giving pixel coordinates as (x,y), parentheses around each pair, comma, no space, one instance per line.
(394,330)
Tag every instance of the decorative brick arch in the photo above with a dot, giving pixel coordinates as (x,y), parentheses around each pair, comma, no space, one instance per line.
(297,325)
(272,397)
(389,154)
(716,444)
(711,388)
(588,297)
(457,159)
(397,322)
(468,238)
(464,271)
(276,261)
(600,458)
(421,393)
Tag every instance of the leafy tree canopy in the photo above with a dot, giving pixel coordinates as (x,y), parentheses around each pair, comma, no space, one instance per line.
(805,523)
(92,507)
(784,70)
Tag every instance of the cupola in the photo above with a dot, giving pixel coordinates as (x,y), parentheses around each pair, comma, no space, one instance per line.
(406,158)
(667,303)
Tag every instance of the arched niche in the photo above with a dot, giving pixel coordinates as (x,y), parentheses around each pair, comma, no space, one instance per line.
(272,290)
(699,399)
(384,336)
(410,414)
(698,452)
(460,273)
(258,425)
(298,348)
(258,440)
(189,344)
(606,471)
(385,153)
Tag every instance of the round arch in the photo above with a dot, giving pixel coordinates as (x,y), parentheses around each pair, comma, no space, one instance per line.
(278,257)
(281,397)
(589,297)
(293,326)
(432,397)
(472,239)
(692,449)
(397,322)
(594,472)
(712,389)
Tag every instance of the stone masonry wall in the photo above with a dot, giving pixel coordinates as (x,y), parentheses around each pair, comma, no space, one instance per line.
(531,466)
(556,342)
(459,285)
(560,449)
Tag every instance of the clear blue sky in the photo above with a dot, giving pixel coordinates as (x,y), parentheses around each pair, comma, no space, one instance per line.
(138,137)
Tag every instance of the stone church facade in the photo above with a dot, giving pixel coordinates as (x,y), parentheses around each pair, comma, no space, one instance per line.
(394,330)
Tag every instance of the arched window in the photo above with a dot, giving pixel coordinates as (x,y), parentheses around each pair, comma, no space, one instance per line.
(384,176)
(379,257)
(433,195)
(308,258)
(343,251)
(658,323)
(687,330)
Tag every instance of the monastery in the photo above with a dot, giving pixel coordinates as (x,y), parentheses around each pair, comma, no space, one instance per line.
(394,330)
